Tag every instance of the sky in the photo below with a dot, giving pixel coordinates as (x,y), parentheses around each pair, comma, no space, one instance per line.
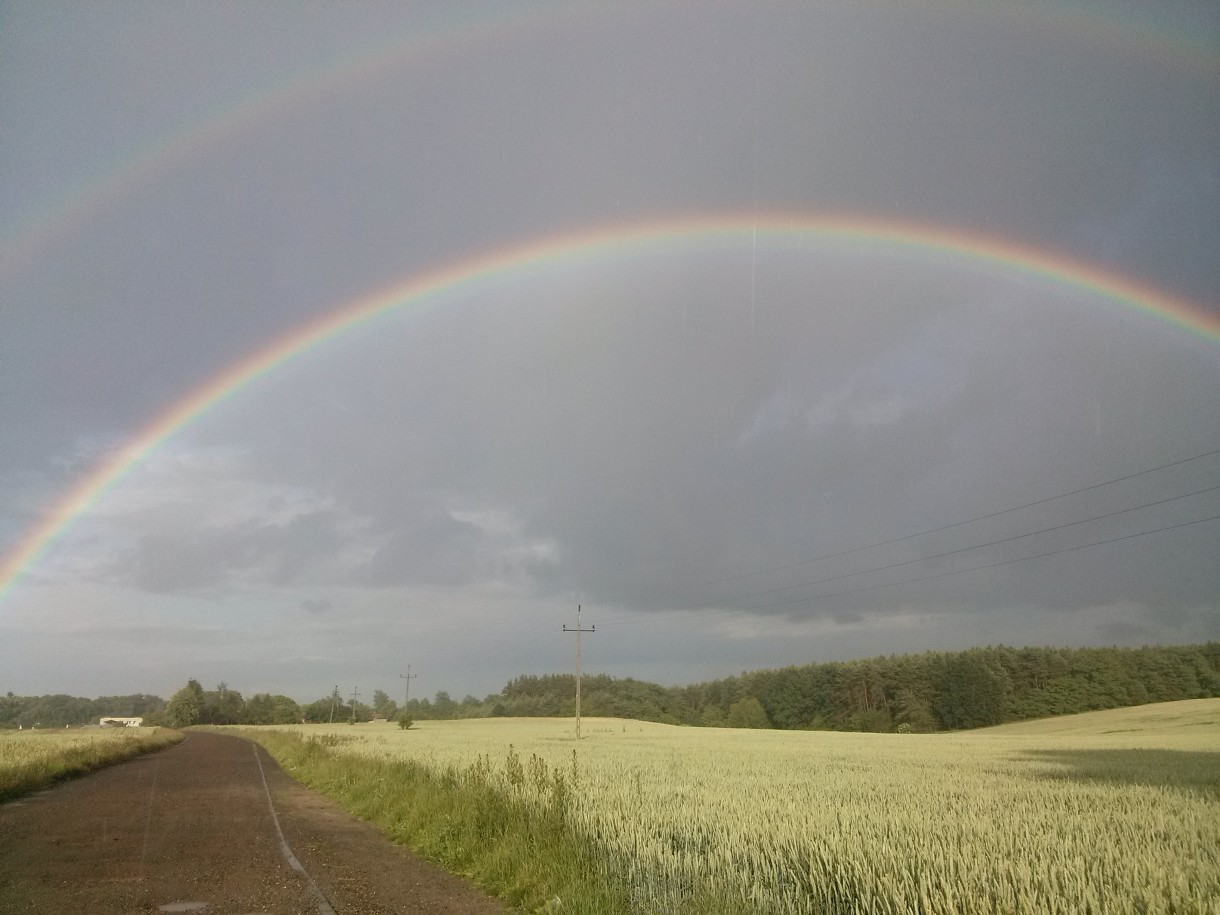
(340,338)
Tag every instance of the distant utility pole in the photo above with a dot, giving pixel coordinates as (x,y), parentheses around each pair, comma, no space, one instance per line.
(578,631)
(334,698)
(406,696)
(355,696)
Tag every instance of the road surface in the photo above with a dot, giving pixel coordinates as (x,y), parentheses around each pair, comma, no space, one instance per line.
(213,826)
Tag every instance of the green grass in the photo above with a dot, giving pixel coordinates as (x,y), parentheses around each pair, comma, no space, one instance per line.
(527,853)
(34,759)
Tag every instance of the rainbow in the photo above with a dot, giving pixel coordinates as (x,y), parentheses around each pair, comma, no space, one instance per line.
(550,254)
(82,200)
(1128,32)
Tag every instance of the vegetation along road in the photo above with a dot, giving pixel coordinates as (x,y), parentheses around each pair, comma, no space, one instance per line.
(192,829)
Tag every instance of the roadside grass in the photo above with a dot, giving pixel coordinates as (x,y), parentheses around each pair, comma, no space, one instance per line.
(526,853)
(30,760)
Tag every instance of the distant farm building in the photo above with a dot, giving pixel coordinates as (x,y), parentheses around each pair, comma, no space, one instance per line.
(121,722)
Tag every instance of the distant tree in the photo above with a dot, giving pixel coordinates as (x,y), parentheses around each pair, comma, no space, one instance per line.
(263,708)
(747,713)
(876,721)
(222,706)
(914,713)
(317,712)
(972,694)
(139,705)
(185,706)
(443,706)
(381,699)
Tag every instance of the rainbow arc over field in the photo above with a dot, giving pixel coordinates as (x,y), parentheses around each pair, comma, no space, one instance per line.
(551,254)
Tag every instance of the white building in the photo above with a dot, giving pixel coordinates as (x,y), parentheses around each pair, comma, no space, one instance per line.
(121,722)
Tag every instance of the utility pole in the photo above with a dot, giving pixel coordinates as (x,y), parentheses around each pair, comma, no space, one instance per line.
(355,696)
(334,698)
(406,696)
(578,631)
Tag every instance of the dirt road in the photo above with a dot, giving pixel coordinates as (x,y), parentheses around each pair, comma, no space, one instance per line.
(192,829)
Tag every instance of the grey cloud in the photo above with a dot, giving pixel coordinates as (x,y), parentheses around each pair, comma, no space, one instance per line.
(651,430)
(296,552)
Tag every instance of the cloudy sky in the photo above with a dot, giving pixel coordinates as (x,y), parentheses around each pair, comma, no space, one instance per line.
(745,308)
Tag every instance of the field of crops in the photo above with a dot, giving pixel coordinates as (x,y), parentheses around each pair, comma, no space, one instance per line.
(33,759)
(1113,812)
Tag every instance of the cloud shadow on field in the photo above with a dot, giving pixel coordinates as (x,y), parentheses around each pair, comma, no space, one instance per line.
(1190,770)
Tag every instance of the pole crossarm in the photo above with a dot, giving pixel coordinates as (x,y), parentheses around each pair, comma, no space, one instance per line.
(406,696)
(578,631)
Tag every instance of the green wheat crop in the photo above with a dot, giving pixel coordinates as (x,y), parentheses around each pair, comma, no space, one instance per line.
(1115,812)
(34,759)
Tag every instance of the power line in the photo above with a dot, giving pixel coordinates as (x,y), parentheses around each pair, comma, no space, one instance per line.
(945,527)
(964,549)
(990,565)
(406,695)
(635,619)
(503,651)
(578,631)
(540,631)
(813,599)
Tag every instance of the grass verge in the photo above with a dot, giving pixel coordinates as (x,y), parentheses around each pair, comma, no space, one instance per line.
(524,852)
(31,760)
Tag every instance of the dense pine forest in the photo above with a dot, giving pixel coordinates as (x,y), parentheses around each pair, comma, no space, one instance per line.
(935,691)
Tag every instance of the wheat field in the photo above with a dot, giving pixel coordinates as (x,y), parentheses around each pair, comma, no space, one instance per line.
(1114,812)
(32,759)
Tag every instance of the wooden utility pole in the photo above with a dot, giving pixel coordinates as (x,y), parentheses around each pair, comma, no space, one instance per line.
(355,696)
(406,696)
(578,631)
(334,697)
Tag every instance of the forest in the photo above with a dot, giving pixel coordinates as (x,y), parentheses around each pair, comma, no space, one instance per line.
(934,691)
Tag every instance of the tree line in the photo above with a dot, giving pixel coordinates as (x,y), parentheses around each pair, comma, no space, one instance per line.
(69,711)
(194,705)
(934,691)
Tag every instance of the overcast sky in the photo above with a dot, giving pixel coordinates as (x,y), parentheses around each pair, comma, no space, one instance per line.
(680,434)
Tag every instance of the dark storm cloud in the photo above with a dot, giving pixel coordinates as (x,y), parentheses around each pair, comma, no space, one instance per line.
(656,432)
(220,556)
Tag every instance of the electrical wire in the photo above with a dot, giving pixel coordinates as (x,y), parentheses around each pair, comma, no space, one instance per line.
(964,549)
(537,633)
(950,526)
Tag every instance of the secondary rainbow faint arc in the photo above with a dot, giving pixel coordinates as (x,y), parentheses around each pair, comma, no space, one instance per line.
(553,252)
(60,214)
